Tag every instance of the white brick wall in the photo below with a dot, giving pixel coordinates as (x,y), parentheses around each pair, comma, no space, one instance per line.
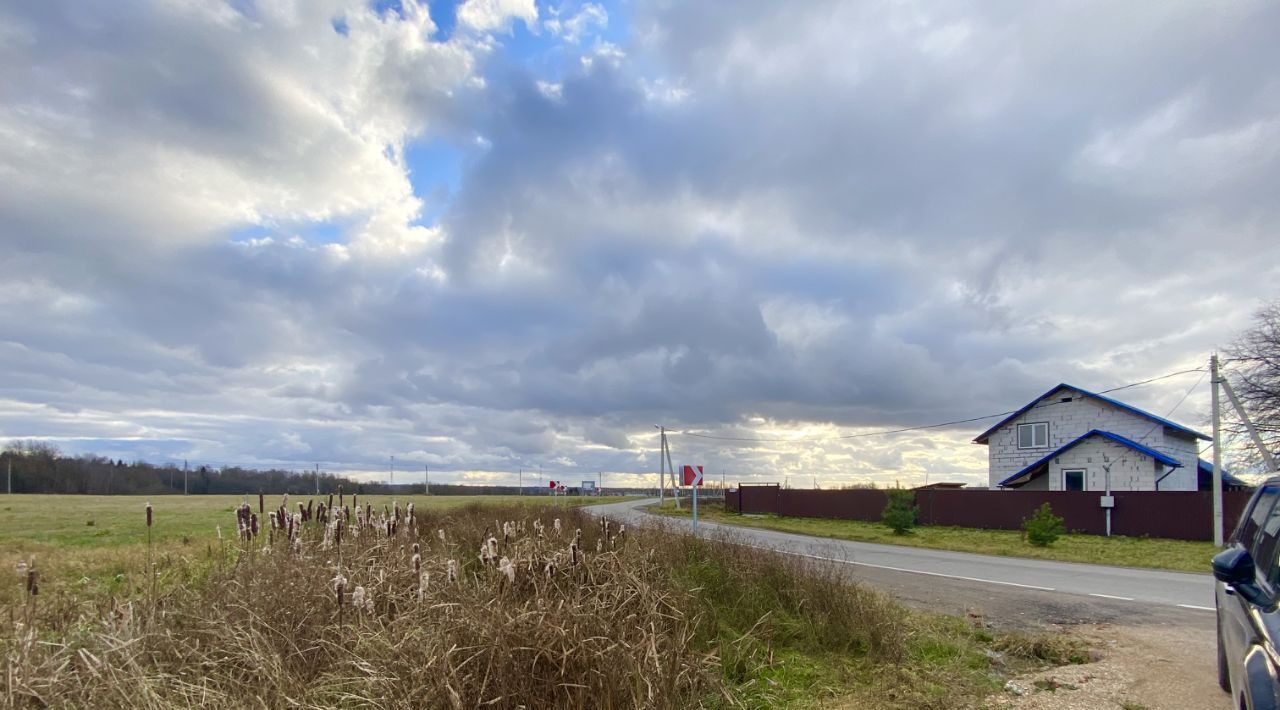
(1187,450)
(1130,470)
(1067,422)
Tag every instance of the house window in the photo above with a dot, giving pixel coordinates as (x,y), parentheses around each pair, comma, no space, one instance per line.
(1033,436)
(1073,479)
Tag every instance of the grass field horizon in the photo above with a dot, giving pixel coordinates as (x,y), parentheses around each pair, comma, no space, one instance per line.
(108,520)
(78,530)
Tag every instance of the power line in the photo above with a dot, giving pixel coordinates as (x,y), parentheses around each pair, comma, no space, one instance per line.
(1158,425)
(922,427)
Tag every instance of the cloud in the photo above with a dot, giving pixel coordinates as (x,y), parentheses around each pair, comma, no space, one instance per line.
(782,222)
(496,15)
(590,17)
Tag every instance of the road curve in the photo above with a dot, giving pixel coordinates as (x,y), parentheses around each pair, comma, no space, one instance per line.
(1017,590)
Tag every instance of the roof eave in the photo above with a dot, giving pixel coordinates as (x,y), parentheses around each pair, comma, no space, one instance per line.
(986,435)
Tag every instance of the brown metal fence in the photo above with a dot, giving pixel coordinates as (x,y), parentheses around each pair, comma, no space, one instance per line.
(1179,515)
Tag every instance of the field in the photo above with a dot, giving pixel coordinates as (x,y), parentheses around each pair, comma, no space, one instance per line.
(1177,555)
(460,605)
(95,521)
(75,529)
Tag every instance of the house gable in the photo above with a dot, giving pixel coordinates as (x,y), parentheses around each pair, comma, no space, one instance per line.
(1055,396)
(1069,413)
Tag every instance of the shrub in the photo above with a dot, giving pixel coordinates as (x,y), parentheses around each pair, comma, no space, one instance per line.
(900,513)
(1043,528)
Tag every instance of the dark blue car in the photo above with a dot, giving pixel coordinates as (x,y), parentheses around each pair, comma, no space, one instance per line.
(1248,621)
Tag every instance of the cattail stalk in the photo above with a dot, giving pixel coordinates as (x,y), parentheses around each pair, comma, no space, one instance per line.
(33,591)
(339,589)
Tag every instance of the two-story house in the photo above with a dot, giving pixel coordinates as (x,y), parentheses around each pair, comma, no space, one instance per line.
(1074,440)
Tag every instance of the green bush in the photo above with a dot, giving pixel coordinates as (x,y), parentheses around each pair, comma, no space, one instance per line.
(1043,528)
(900,513)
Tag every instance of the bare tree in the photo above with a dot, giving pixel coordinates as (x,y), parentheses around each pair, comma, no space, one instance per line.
(1253,368)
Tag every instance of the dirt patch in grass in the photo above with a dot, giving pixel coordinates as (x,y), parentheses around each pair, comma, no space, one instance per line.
(1142,667)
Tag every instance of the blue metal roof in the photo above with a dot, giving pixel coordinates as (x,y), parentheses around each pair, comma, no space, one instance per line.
(1158,456)
(1207,468)
(982,438)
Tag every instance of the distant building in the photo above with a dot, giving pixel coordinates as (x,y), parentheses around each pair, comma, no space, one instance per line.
(1072,439)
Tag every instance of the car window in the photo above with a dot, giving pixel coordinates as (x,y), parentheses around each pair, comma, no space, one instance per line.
(1265,547)
(1247,530)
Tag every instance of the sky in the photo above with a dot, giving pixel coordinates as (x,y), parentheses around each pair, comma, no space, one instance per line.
(505,235)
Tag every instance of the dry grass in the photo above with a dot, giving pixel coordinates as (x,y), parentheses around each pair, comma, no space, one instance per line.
(599,618)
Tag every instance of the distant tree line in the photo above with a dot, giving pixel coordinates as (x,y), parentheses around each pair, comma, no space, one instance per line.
(39,467)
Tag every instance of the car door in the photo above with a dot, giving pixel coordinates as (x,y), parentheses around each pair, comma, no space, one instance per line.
(1258,532)
(1244,631)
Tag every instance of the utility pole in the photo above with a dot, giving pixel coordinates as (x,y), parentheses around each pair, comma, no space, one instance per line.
(10,462)
(1267,459)
(662,463)
(317,480)
(426,479)
(671,469)
(599,482)
(392,480)
(1107,494)
(1217,451)
(184,477)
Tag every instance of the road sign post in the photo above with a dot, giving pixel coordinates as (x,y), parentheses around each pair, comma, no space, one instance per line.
(693,477)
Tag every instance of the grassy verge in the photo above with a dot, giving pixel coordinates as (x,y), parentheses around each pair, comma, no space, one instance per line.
(576,614)
(1177,555)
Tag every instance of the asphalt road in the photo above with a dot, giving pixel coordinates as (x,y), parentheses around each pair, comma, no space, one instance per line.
(1008,591)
